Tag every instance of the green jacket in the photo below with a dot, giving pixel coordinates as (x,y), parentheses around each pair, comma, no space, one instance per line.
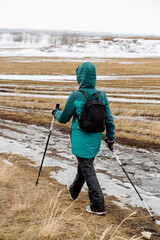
(85,145)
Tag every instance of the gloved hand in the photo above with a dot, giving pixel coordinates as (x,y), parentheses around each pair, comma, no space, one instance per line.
(55,109)
(110,144)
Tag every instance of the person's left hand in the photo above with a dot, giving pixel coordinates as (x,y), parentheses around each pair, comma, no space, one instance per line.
(110,144)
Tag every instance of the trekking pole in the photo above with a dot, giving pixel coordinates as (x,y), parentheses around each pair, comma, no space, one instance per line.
(121,165)
(50,131)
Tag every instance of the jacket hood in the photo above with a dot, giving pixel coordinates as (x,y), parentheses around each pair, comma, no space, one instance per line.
(86,75)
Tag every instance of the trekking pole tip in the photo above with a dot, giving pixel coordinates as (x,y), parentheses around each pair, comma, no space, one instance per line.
(36,182)
(154,220)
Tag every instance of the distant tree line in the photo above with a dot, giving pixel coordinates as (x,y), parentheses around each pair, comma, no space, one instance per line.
(29,37)
(66,38)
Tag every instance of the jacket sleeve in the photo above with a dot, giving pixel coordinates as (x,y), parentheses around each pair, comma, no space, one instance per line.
(110,127)
(65,115)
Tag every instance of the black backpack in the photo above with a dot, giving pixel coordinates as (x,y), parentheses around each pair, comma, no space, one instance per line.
(94,114)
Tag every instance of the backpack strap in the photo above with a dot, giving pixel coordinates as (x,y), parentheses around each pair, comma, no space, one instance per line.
(87,99)
(97,95)
(84,93)
(76,115)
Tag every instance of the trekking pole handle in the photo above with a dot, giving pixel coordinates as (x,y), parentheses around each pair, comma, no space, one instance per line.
(57,107)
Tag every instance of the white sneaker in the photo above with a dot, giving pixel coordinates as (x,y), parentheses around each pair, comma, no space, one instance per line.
(89,210)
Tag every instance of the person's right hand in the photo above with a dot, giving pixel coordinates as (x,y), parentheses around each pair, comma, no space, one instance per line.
(55,109)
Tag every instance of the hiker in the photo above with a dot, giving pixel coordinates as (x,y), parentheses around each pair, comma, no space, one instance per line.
(86,145)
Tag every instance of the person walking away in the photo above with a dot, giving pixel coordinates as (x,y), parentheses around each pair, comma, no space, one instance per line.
(85,146)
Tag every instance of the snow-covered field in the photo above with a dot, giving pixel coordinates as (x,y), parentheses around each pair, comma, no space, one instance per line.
(42,45)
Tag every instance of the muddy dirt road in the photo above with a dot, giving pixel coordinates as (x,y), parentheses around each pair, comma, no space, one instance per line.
(142,166)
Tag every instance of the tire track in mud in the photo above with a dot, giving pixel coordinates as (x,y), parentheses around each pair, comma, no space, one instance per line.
(143,166)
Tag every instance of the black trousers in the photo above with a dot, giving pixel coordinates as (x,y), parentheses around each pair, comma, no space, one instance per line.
(86,173)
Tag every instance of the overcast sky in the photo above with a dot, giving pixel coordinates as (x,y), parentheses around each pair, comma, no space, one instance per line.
(110,16)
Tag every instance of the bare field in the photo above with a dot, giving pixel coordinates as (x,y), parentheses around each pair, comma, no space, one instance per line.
(135,98)
(120,66)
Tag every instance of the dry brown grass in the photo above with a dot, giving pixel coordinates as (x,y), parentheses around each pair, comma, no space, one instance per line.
(150,66)
(138,130)
(46,212)
(30,212)
(136,110)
